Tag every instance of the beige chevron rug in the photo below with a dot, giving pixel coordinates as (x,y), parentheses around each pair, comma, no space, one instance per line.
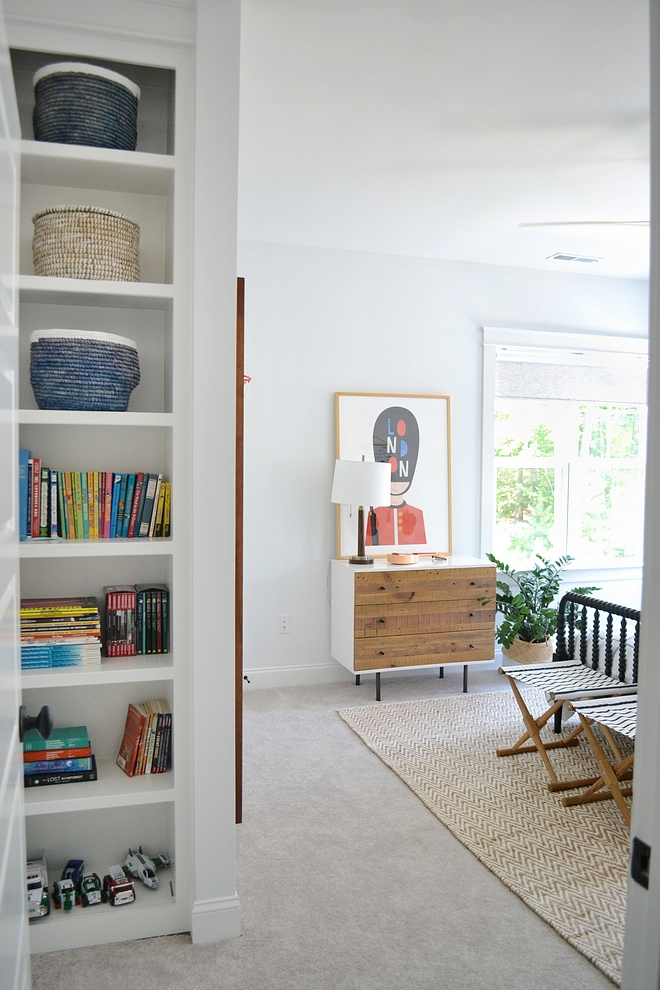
(568,864)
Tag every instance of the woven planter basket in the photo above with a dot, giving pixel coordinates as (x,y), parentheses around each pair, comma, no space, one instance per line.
(83,369)
(77,103)
(86,242)
(523,652)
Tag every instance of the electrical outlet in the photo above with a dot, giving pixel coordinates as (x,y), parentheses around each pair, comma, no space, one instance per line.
(285,623)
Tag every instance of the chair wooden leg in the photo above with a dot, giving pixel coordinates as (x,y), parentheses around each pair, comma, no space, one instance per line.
(608,784)
(533,727)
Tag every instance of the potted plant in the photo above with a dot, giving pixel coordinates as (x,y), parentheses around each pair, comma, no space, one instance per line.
(526,600)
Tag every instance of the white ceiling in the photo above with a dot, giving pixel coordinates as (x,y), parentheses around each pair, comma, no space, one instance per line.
(434,127)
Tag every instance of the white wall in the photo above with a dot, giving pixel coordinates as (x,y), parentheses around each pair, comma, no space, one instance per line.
(320,321)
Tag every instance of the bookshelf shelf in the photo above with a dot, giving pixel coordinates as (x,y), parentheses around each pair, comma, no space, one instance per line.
(97,168)
(116,670)
(66,417)
(158,910)
(97,548)
(113,788)
(88,292)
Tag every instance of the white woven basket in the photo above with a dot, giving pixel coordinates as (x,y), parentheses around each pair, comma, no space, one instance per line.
(86,242)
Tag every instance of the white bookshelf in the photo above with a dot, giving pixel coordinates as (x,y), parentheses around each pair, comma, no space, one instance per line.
(98,820)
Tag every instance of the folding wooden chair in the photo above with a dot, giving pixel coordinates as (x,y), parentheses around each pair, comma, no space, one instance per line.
(618,714)
(588,675)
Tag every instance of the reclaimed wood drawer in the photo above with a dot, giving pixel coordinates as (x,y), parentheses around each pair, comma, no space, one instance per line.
(419,617)
(434,585)
(443,648)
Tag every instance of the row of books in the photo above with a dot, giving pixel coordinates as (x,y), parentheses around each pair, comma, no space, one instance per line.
(137,619)
(147,740)
(90,505)
(60,632)
(64,758)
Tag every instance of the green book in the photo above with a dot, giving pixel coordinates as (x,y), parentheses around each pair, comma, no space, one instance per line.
(74,737)
(77,503)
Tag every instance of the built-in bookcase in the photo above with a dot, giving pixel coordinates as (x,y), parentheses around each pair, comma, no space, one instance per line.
(98,821)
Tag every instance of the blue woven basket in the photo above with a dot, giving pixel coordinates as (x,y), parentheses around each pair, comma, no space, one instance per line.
(85,104)
(83,369)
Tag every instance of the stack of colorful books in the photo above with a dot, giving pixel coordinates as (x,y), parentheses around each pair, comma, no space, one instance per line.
(145,746)
(65,758)
(90,505)
(137,620)
(60,632)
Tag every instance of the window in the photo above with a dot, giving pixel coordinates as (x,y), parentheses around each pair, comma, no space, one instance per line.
(564,447)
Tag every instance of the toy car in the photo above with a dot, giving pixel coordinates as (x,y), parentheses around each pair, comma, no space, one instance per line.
(143,868)
(89,889)
(74,871)
(64,894)
(38,901)
(117,887)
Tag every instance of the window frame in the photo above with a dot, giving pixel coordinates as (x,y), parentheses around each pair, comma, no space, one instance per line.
(494,337)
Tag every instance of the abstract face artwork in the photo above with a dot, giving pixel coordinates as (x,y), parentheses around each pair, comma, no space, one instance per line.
(410,433)
(396,439)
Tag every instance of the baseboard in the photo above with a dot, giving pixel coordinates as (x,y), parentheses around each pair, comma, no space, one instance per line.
(327,673)
(216,920)
(295,676)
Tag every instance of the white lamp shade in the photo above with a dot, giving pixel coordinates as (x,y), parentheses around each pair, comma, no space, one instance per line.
(361,483)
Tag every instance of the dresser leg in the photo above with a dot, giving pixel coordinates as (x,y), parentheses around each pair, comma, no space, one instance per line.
(465,670)
(442,672)
(357,680)
(378,686)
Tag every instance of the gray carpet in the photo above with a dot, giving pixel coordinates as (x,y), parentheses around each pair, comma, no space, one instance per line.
(346,880)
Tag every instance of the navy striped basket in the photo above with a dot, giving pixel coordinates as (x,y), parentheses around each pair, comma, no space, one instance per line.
(85,104)
(83,369)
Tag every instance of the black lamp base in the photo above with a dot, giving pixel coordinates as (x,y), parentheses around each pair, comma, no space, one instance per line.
(361,560)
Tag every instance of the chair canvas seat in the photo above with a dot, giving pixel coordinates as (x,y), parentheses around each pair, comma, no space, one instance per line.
(562,676)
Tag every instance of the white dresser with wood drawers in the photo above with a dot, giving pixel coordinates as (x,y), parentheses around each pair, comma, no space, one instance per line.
(429,614)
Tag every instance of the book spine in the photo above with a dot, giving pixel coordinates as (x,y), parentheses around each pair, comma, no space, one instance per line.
(97,505)
(168,743)
(54,505)
(148,505)
(158,528)
(107,514)
(23,459)
(168,510)
(70,513)
(128,504)
(73,777)
(139,620)
(140,508)
(121,505)
(154,510)
(137,499)
(74,739)
(157,743)
(77,503)
(44,529)
(84,481)
(29,497)
(114,510)
(70,753)
(166,622)
(153,725)
(159,622)
(144,739)
(58,766)
(61,506)
(36,490)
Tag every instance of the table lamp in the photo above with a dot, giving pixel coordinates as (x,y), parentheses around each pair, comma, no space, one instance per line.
(361,483)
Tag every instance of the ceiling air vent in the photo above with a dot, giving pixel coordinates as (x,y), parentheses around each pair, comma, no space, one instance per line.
(572,257)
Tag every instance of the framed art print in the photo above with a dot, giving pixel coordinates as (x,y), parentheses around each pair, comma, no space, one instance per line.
(412,433)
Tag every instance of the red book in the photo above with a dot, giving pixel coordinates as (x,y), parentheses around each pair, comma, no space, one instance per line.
(139,482)
(56,754)
(36,494)
(130,744)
